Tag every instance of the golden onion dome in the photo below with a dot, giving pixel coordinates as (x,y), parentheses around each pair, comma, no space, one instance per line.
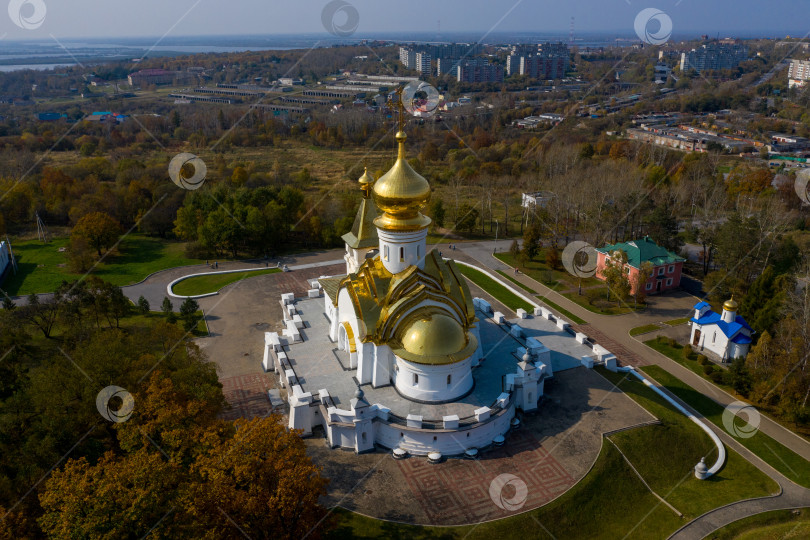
(435,338)
(366,178)
(401,193)
(730,305)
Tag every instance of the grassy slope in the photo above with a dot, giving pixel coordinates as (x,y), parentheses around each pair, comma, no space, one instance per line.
(643,329)
(559,281)
(676,353)
(774,453)
(212,283)
(774,525)
(137,256)
(680,444)
(544,300)
(501,293)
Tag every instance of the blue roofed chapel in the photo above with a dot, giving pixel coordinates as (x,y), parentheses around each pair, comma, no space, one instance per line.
(725,335)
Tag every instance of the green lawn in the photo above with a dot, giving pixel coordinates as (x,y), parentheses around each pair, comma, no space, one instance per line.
(594,293)
(557,307)
(136,320)
(677,322)
(540,271)
(680,443)
(197,285)
(644,329)
(42,268)
(543,299)
(772,452)
(774,525)
(595,300)
(496,289)
(675,352)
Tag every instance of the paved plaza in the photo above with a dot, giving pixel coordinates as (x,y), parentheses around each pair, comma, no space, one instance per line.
(319,364)
(553,449)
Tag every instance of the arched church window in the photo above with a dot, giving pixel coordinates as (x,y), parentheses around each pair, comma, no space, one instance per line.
(385,253)
(402,254)
(448,379)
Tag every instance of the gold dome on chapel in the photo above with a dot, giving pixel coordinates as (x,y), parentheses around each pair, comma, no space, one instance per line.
(730,305)
(401,193)
(432,337)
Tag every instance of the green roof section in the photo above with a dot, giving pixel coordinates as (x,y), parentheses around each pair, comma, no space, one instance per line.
(643,250)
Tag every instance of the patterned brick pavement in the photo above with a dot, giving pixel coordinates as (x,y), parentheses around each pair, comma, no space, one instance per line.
(247,395)
(625,356)
(457,492)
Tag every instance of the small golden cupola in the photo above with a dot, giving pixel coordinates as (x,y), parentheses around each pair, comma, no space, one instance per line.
(363,236)
(729,314)
(401,194)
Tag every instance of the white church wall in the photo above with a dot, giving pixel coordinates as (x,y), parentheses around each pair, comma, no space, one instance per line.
(433,383)
(381,371)
(421,442)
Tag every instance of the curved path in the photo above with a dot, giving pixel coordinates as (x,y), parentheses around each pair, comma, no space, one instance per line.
(153,288)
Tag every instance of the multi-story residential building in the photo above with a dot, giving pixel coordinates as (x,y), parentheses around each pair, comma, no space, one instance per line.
(714,56)
(407,57)
(437,51)
(479,70)
(513,64)
(422,63)
(445,66)
(547,61)
(798,73)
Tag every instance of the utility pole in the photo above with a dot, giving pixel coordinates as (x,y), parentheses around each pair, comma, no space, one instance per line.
(41,235)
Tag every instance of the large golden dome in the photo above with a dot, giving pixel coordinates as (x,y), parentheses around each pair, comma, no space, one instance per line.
(401,193)
(730,305)
(434,338)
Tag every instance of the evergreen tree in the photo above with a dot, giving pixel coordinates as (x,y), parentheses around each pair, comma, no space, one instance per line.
(762,306)
(166,307)
(437,212)
(188,312)
(514,249)
(740,376)
(143,305)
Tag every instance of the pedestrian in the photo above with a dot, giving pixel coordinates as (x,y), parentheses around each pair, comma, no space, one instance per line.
(216,265)
(206,262)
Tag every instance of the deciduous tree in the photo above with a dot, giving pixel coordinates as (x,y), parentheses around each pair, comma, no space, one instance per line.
(99,229)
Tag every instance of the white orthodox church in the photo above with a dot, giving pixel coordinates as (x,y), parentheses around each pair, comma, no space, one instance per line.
(405,315)
(401,333)
(725,335)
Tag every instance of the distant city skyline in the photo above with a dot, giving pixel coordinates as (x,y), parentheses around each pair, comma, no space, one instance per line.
(155,18)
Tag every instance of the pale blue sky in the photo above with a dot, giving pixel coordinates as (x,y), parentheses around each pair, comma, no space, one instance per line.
(91,18)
